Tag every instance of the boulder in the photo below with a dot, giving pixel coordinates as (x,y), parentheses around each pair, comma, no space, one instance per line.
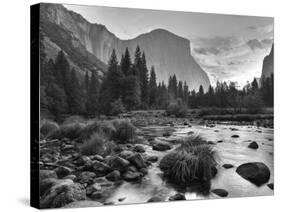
(271,186)
(126,154)
(155,199)
(253,145)
(46,184)
(220,192)
(71,177)
(100,168)
(43,174)
(161,146)
(139,148)
(83,204)
(177,196)
(97,157)
(96,195)
(152,159)
(113,176)
(257,173)
(227,166)
(81,161)
(86,177)
(118,163)
(138,161)
(63,171)
(93,188)
(62,193)
(132,176)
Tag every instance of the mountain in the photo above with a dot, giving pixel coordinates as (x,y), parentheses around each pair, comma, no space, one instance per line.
(268,64)
(169,53)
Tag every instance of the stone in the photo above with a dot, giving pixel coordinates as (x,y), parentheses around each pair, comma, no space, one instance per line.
(167,134)
(113,176)
(83,160)
(43,174)
(161,146)
(227,166)
(71,177)
(139,148)
(118,163)
(62,193)
(271,186)
(126,154)
(138,161)
(83,204)
(46,184)
(63,171)
(177,196)
(96,195)
(86,177)
(155,199)
(253,145)
(93,188)
(132,176)
(257,173)
(235,136)
(144,171)
(220,192)
(97,157)
(100,168)
(152,159)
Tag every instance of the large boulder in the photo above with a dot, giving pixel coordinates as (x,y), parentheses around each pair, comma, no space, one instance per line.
(126,154)
(46,184)
(83,204)
(257,173)
(137,161)
(113,176)
(161,146)
(62,193)
(139,148)
(118,163)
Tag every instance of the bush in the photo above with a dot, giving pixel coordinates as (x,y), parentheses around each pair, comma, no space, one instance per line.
(71,131)
(191,163)
(97,144)
(125,131)
(177,110)
(117,107)
(48,127)
(74,119)
(104,127)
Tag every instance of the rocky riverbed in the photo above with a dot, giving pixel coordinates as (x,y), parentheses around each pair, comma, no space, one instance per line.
(68,179)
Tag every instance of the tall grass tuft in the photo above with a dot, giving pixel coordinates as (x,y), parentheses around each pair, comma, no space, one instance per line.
(97,144)
(48,127)
(125,131)
(71,131)
(191,163)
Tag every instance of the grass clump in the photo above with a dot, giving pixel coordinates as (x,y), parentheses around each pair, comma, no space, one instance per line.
(71,131)
(97,144)
(191,163)
(177,110)
(48,127)
(125,131)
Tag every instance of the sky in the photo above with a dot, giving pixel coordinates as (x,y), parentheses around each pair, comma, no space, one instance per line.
(227,47)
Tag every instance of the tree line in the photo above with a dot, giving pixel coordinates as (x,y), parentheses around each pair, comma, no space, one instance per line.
(130,85)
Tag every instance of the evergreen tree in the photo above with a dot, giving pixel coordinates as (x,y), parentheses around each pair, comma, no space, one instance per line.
(126,63)
(185,94)
(144,81)
(152,87)
(180,90)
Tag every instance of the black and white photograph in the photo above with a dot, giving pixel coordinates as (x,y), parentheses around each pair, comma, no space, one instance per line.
(141,105)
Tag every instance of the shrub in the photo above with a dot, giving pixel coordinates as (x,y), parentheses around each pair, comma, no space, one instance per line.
(74,119)
(48,127)
(125,131)
(97,144)
(71,131)
(191,163)
(117,107)
(104,127)
(177,110)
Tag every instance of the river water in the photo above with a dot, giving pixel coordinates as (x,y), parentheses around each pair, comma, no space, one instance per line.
(233,151)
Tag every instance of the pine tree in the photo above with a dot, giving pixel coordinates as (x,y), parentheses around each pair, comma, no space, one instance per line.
(144,81)
(152,87)
(185,94)
(126,63)
(180,90)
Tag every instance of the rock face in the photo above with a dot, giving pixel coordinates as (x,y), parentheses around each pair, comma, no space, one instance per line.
(257,173)
(169,53)
(268,64)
